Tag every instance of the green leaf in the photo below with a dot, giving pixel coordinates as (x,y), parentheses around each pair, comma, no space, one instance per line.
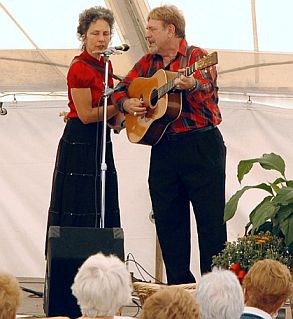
(270,161)
(263,212)
(244,167)
(256,209)
(287,229)
(232,204)
(274,212)
(274,162)
(284,196)
(275,185)
(280,180)
(264,187)
(283,213)
(289,183)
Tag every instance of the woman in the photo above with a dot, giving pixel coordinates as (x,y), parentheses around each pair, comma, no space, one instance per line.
(10,296)
(102,286)
(75,197)
(170,302)
(267,286)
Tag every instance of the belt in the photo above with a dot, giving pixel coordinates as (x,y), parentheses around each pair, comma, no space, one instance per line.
(182,135)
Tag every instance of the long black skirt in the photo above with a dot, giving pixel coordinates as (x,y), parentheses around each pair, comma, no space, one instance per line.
(76,187)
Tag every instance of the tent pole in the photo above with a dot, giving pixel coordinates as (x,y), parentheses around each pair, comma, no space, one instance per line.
(255,41)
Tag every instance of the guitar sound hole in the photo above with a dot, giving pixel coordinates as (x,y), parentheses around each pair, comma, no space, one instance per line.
(154,98)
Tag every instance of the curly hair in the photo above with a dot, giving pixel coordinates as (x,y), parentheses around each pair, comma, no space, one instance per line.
(93,14)
(10,295)
(219,295)
(102,286)
(170,303)
(268,283)
(169,14)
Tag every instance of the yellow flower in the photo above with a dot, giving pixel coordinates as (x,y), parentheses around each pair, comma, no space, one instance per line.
(260,241)
(246,250)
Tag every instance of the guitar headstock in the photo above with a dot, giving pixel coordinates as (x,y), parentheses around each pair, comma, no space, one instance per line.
(209,60)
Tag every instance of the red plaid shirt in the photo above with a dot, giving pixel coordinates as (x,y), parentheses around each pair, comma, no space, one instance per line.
(200,107)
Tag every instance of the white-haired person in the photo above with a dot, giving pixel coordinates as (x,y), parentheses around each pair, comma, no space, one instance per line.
(10,296)
(267,285)
(102,286)
(219,295)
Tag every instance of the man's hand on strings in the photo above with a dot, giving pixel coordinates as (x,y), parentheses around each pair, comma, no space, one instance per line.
(135,107)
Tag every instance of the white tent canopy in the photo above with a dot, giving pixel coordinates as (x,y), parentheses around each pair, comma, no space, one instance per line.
(256,91)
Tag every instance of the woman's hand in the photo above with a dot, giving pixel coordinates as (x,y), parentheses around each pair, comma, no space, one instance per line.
(82,99)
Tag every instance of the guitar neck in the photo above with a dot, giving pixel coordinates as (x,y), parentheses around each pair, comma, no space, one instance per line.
(207,61)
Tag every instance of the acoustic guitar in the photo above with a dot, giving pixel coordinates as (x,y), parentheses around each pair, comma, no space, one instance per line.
(162,108)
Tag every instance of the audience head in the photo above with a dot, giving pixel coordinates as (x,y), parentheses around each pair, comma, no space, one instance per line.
(102,286)
(267,285)
(10,296)
(219,295)
(170,303)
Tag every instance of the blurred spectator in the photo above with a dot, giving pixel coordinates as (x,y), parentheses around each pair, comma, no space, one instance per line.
(219,295)
(267,285)
(170,303)
(102,286)
(10,296)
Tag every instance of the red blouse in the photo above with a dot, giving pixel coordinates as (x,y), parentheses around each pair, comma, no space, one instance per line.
(83,75)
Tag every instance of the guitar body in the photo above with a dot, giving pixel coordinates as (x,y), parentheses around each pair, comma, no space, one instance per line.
(163,104)
(161,112)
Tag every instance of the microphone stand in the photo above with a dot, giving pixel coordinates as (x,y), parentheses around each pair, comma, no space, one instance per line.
(107,92)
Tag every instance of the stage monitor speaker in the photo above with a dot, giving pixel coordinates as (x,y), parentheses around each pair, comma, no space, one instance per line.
(68,248)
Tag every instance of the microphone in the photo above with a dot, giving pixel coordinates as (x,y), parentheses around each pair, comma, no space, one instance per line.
(114,50)
(123,47)
(117,49)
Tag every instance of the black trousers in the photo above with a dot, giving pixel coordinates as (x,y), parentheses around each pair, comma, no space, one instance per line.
(188,168)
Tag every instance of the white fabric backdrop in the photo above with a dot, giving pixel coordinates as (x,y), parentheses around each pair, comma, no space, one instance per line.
(29,136)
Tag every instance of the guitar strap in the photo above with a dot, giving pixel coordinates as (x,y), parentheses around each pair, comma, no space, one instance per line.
(97,67)
(184,61)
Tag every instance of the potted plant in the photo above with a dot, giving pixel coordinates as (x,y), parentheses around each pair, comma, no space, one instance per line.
(241,254)
(275,212)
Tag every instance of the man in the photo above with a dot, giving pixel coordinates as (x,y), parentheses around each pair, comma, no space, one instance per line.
(188,163)
(219,295)
(267,285)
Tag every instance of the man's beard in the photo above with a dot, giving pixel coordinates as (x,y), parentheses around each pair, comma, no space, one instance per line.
(153,49)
